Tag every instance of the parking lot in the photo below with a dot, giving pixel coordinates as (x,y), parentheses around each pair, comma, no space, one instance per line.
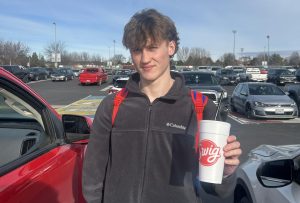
(71,97)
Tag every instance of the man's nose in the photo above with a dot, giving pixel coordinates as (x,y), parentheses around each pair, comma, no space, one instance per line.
(145,56)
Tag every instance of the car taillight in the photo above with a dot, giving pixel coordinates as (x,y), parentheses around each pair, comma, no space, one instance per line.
(111,91)
(263,72)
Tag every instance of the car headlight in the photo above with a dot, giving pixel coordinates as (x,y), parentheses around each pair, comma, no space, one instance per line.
(224,94)
(293,104)
(259,104)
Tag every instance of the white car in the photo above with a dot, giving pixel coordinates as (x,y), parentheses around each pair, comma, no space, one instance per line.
(270,175)
(118,85)
(256,74)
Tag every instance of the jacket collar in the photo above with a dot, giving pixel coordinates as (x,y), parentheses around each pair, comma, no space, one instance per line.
(177,90)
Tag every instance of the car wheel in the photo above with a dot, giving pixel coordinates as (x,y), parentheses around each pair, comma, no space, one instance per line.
(249,112)
(66,79)
(232,108)
(244,199)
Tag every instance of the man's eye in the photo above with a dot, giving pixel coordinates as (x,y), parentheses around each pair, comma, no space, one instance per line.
(136,50)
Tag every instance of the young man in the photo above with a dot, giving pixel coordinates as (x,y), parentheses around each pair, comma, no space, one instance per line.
(148,155)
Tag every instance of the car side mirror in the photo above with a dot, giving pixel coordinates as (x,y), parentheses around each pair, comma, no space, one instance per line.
(76,127)
(244,93)
(277,173)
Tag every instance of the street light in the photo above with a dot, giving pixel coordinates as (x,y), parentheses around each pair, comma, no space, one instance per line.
(268,38)
(234,32)
(55,59)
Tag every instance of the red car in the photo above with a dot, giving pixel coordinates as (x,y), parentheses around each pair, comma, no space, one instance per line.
(41,152)
(93,76)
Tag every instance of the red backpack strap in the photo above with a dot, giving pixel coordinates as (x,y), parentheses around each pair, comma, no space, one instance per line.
(120,96)
(199,101)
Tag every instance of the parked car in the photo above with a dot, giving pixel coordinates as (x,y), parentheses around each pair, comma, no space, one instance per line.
(93,76)
(76,72)
(271,174)
(281,76)
(121,73)
(18,71)
(51,71)
(294,93)
(227,77)
(257,74)
(241,72)
(118,85)
(62,74)
(214,69)
(297,74)
(41,152)
(207,83)
(38,73)
(263,100)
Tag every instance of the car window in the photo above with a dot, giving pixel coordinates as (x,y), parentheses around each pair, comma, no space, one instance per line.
(21,127)
(264,90)
(244,89)
(120,83)
(91,70)
(197,79)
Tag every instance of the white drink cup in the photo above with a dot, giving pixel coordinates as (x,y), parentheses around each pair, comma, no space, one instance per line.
(213,138)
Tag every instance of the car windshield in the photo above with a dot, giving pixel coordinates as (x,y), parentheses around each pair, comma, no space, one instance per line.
(227,71)
(265,90)
(286,72)
(60,71)
(91,70)
(120,83)
(123,72)
(200,79)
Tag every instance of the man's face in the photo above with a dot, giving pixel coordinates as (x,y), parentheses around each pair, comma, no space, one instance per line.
(153,61)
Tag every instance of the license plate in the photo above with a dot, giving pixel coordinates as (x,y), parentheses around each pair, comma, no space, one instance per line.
(279,111)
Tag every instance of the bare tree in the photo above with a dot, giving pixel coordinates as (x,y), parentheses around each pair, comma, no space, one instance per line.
(58,47)
(294,59)
(13,52)
(183,54)
(227,59)
(198,57)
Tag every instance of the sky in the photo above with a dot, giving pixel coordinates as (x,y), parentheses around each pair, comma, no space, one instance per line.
(96,26)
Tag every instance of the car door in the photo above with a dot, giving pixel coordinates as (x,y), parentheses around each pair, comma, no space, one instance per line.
(244,93)
(37,162)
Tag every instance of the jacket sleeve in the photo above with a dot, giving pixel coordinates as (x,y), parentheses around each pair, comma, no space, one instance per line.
(228,184)
(97,153)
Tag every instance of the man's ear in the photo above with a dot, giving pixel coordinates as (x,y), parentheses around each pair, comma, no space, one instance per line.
(172,48)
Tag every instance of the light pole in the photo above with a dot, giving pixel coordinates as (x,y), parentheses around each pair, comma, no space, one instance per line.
(268,38)
(55,46)
(234,32)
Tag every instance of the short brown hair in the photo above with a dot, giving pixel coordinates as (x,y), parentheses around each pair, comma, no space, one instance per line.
(149,24)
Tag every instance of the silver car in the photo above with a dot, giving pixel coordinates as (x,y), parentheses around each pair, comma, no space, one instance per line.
(264,100)
(270,175)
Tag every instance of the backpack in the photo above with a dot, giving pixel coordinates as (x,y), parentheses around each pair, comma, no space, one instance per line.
(199,101)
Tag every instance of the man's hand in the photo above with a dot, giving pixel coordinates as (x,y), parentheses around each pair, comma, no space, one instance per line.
(232,152)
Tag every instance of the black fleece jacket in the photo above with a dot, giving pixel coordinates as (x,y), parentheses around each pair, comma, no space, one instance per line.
(148,155)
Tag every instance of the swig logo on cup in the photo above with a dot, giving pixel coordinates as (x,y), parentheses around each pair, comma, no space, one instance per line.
(209,153)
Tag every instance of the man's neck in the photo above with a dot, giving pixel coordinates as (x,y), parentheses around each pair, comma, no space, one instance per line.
(157,88)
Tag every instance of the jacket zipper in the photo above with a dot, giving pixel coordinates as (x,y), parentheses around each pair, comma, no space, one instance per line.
(145,160)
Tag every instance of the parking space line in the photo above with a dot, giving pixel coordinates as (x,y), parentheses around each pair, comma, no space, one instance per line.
(106,88)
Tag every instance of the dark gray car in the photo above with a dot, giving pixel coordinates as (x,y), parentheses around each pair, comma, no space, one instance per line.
(207,84)
(264,100)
